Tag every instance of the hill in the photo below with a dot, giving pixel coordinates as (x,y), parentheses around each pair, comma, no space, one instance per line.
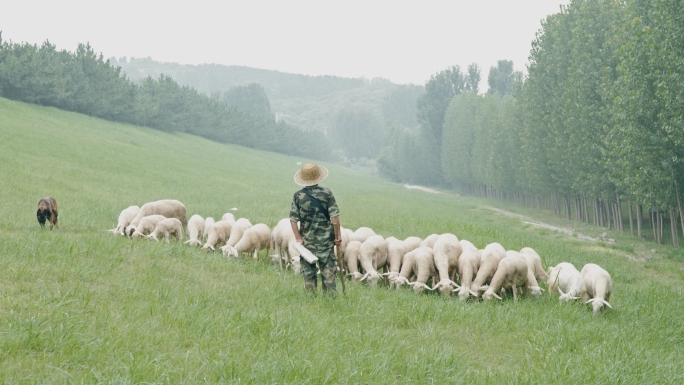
(79,305)
(309,102)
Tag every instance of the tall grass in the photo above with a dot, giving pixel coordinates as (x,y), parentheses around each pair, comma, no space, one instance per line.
(78,305)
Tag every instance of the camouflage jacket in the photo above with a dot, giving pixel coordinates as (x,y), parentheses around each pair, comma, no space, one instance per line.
(317,231)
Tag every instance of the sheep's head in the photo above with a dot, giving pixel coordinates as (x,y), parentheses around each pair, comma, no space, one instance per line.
(391,276)
(566,296)
(597,304)
(229,251)
(371,278)
(128,231)
(464,293)
(419,286)
(356,276)
(535,291)
(400,280)
(152,237)
(296,263)
(446,286)
(489,295)
(207,247)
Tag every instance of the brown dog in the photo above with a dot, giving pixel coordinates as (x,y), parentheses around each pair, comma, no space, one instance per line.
(47,209)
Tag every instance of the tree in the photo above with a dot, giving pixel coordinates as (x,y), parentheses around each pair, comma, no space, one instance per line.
(501,78)
(472,80)
(251,97)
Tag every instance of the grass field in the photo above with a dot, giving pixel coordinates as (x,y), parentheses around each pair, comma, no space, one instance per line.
(78,305)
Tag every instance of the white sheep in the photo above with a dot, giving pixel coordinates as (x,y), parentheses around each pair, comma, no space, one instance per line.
(512,272)
(351,260)
(567,280)
(411,243)
(145,226)
(169,208)
(468,264)
(534,260)
(490,257)
(283,245)
(167,228)
(424,269)
(361,234)
(237,230)
(218,235)
(125,219)
(599,286)
(429,241)
(395,254)
(345,237)
(254,239)
(373,253)
(208,222)
(195,230)
(228,217)
(407,267)
(447,249)
(532,285)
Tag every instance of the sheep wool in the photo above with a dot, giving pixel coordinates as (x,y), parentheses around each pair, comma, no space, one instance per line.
(511,272)
(169,208)
(237,230)
(195,230)
(468,263)
(167,228)
(254,239)
(351,260)
(599,286)
(424,268)
(490,257)
(567,280)
(372,254)
(208,222)
(447,249)
(125,219)
(361,234)
(429,241)
(145,226)
(218,235)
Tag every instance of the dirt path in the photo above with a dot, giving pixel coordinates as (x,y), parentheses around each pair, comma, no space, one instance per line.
(569,232)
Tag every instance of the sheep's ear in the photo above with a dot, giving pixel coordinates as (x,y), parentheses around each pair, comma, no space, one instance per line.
(474,293)
(561,291)
(590,301)
(364,277)
(454,283)
(496,295)
(607,304)
(456,289)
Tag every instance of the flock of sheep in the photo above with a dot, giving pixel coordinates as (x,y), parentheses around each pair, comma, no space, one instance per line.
(438,259)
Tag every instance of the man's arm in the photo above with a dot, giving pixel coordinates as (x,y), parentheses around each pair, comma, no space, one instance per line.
(336,225)
(295,230)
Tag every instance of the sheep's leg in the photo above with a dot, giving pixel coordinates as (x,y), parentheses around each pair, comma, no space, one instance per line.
(256,254)
(515,293)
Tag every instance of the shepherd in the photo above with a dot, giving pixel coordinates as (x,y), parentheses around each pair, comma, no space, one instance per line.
(315,209)
(47,210)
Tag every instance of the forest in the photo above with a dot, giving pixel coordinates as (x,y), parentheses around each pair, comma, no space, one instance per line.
(594,131)
(82,81)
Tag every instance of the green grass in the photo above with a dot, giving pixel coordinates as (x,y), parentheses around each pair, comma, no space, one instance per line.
(78,305)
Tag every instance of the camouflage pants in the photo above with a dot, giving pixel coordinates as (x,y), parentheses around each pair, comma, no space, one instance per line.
(327,266)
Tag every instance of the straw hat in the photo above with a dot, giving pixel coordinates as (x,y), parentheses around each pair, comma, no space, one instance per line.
(310,174)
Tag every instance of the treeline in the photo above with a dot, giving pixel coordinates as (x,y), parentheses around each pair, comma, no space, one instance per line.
(595,132)
(83,82)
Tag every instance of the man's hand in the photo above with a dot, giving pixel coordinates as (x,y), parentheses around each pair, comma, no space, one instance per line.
(338,241)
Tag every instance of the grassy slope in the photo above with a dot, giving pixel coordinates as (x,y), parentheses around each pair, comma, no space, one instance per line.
(79,305)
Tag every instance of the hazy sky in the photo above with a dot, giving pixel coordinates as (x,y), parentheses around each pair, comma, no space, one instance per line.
(403,41)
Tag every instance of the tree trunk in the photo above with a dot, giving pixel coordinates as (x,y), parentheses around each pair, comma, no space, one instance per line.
(639,220)
(631,226)
(660,227)
(586,211)
(679,206)
(673,228)
(619,212)
(655,232)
